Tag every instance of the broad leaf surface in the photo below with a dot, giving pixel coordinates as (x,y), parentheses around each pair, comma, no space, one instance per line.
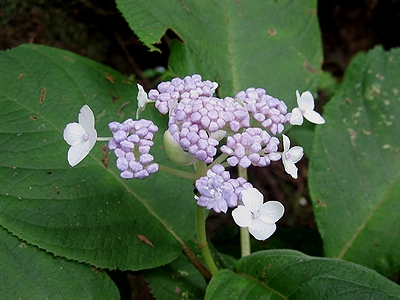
(29,273)
(275,45)
(86,213)
(355,166)
(177,280)
(288,274)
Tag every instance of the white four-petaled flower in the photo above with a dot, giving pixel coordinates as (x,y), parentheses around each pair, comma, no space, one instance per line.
(80,136)
(258,217)
(290,156)
(305,108)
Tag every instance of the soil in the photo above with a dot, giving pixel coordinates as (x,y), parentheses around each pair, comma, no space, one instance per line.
(97,30)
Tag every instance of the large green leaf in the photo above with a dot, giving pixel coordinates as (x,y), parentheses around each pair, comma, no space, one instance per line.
(29,273)
(288,274)
(355,166)
(86,213)
(271,44)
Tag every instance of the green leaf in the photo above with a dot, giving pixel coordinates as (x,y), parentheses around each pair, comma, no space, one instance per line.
(30,273)
(86,213)
(288,274)
(355,166)
(275,45)
(177,280)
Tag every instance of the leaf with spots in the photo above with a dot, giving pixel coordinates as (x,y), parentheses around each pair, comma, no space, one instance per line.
(87,213)
(354,171)
(275,45)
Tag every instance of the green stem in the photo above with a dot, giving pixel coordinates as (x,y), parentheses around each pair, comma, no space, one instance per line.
(244,233)
(202,239)
(179,173)
(202,244)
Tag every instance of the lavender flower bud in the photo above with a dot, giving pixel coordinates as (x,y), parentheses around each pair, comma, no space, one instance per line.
(269,111)
(252,147)
(218,191)
(131,144)
(197,123)
(169,93)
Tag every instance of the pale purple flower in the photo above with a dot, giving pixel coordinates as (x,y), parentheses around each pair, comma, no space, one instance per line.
(80,136)
(305,108)
(290,156)
(258,217)
(269,111)
(131,144)
(218,191)
(169,93)
(252,147)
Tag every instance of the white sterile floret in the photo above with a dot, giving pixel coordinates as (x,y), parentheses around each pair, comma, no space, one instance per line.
(258,217)
(305,108)
(290,156)
(80,136)
(142,100)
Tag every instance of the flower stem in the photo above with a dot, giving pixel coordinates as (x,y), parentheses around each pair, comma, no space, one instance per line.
(103,139)
(202,240)
(244,233)
(179,173)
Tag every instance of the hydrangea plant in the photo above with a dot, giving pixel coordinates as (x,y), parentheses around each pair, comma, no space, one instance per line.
(132,183)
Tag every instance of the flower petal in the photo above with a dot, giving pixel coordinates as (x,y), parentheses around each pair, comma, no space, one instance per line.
(142,100)
(290,167)
(252,199)
(86,119)
(296,117)
(306,101)
(242,216)
(314,117)
(76,153)
(260,230)
(296,153)
(286,144)
(73,133)
(271,211)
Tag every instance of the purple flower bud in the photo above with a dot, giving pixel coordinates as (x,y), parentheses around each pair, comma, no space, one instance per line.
(269,111)
(131,144)
(252,147)
(218,191)
(196,123)
(169,93)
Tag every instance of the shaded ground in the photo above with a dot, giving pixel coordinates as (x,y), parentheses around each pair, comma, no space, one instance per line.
(98,31)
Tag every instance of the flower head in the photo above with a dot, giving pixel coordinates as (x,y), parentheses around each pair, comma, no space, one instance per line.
(169,93)
(131,144)
(305,108)
(258,217)
(254,146)
(80,136)
(290,156)
(270,112)
(218,191)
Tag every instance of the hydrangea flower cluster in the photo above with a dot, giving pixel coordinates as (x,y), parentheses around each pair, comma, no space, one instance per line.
(239,131)
(131,144)
(218,191)
(169,93)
